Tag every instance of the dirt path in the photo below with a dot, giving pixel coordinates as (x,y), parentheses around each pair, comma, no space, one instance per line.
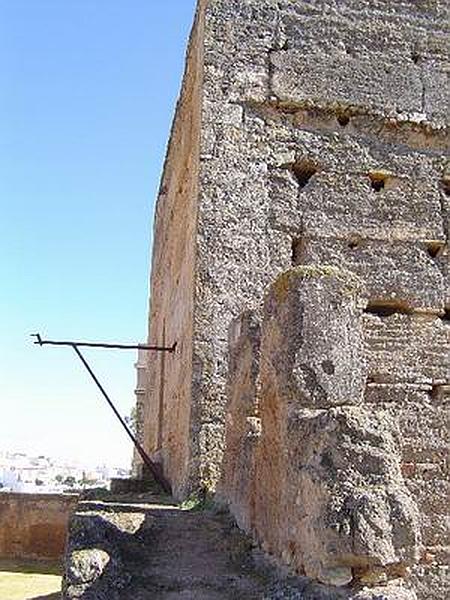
(192,556)
(139,549)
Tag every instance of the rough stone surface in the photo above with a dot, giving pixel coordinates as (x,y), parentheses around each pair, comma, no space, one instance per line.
(399,275)
(144,547)
(85,566)
(330,495)
(34,526)
(243,424)
(102,538)
(313,337)
(354,509)
(407,349)
(391,592)
(308,133)
(235,200)
(166,381)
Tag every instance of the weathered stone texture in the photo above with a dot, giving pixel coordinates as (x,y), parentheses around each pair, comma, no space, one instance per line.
(309,134)
(330,496)
(101,540)
(167,419)
(313,338)
(243,427)
(401,275)
(362,55)
(407,349)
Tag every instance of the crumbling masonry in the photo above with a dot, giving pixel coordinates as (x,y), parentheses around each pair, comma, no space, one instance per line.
(301,263)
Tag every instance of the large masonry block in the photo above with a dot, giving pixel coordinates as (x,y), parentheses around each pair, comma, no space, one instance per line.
(399,274)
(407,349)
(329,494)
(352,508)
(243,423)
(315,338)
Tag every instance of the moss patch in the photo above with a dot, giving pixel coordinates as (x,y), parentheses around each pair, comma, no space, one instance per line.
(352,284)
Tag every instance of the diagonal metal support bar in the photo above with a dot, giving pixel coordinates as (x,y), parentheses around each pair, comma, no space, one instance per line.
(154,468)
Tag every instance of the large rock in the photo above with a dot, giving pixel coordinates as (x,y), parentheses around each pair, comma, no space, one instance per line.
(330,498)
(84,567)
(99,539)
(353,515)
(312,338)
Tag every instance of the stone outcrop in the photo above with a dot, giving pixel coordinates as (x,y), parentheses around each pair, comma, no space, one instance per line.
(310,135)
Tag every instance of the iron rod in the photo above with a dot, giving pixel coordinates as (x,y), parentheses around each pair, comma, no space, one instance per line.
(42,342)
(154,468)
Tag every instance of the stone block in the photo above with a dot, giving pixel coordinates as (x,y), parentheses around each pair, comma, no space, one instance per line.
(99,539)
(352,508)
(424,422)
(312,337)
(425,428)
(399,393)
(85,566)
(412,349)
(348,206)
(395,274)
(384,85)
(364,57)
(242,431)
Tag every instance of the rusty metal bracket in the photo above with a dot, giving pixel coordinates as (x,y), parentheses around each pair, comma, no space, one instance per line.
(154,468)
(42,342)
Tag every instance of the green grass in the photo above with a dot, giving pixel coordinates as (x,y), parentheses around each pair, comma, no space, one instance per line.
(198,502)
(29,580)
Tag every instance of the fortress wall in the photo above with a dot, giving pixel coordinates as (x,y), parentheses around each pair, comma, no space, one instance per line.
(322,142)
(34,525)
(328,148)
(167,403)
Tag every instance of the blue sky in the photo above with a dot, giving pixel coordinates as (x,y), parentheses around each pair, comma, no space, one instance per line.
(87,94)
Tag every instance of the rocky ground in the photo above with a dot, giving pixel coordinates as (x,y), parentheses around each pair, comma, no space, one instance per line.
(143,547)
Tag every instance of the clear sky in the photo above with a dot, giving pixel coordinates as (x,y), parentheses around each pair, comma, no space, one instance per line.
(87,94)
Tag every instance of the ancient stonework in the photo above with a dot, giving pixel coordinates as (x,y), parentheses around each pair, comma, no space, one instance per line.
(301,264)
(329,494)
(34,526)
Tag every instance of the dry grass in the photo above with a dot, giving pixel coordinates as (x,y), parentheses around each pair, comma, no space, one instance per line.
(29,581)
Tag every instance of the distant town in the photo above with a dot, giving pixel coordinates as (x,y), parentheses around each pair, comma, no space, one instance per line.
(20,472)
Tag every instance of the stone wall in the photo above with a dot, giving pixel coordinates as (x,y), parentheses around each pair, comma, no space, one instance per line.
(321,143)
(168,406)
(306,132)
(34,525)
